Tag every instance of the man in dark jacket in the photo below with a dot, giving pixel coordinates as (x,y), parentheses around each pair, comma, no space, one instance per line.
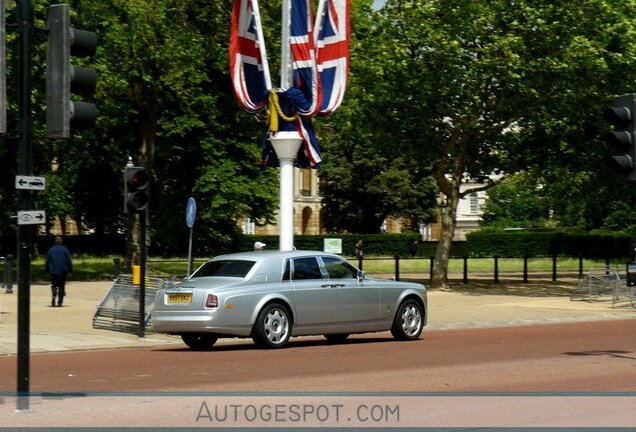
(58,264)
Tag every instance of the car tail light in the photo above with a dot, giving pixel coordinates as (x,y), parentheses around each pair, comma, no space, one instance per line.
(212,302)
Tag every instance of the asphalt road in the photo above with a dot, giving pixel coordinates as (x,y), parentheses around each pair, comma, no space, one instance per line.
(515,376)
(578,356)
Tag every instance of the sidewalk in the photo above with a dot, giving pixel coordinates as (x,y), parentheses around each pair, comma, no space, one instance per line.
(474,305)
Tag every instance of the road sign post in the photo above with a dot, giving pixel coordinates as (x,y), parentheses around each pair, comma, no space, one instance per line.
(31,217)
(23,182)
(25,232)
(191,214)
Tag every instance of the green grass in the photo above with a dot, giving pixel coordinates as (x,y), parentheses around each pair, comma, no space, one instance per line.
(102,268)
(485,265)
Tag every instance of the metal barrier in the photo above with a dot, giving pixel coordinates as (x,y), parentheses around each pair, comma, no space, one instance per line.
(600,283)
(119,309)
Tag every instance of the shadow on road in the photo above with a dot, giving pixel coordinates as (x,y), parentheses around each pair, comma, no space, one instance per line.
(303,342)
(509,287)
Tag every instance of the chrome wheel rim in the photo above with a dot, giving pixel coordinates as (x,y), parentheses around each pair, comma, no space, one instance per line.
(276,326)
(411,320)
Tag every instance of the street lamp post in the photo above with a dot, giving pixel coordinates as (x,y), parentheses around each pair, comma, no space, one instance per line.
(286,144)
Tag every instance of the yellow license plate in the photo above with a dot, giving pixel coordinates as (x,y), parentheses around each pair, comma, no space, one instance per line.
(180,298)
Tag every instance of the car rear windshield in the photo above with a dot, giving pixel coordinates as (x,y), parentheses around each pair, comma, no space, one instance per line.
(225,268)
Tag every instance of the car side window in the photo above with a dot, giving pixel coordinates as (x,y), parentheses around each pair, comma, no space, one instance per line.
(287,272)
(306,268)
(339,269)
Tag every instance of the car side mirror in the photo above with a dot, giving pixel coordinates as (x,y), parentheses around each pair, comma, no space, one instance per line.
(361,275)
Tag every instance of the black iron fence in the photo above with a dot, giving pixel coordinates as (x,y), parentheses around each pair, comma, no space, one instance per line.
(524,269)
(516,268)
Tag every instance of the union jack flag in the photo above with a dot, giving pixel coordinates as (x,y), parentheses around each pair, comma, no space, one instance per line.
(332,45)
(318,65)
(303,53)
(246,62)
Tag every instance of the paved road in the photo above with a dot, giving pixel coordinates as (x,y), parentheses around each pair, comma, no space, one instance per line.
(457,378)
(580,356)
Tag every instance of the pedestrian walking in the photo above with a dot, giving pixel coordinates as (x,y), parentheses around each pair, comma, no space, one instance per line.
(360,250)
(58,264)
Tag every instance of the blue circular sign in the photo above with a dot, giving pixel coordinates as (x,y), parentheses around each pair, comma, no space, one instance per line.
(191,212)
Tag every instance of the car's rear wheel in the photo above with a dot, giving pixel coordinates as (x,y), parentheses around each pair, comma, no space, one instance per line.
(337,337)
(408,322)
(273,326)
(199,341)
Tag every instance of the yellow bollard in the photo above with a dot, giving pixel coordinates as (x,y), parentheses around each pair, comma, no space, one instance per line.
(136,274)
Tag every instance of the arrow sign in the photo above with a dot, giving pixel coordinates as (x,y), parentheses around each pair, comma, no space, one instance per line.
(30,183)
(31,217)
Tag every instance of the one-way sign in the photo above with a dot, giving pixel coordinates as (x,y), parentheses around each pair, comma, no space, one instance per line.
(30,183)
(31,217)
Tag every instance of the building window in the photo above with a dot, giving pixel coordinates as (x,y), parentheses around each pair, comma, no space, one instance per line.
(249,227)
(305,182)
(306,219)
(473,202)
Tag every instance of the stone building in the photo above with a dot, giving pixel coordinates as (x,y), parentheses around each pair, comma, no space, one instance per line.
(308,212)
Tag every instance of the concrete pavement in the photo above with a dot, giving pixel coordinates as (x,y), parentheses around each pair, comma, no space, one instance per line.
(474,305)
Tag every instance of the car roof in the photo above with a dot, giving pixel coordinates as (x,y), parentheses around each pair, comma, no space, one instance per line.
(260,255)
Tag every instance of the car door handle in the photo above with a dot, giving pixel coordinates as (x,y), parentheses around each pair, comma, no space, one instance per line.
(326,286)
(337,285)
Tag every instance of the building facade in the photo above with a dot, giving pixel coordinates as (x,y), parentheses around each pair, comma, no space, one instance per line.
(308,211)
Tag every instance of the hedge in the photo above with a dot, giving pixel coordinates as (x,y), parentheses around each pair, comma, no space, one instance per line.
(541,243)
(531,243)
(374,244)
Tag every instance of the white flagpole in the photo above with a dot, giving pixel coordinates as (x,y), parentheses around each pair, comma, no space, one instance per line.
(285,50)
(320,13)
(286,144)
(261,44)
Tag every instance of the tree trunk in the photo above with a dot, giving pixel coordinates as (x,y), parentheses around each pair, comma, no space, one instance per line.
(448,213)
(449,183)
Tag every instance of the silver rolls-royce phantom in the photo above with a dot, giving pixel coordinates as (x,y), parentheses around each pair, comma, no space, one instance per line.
(271,296)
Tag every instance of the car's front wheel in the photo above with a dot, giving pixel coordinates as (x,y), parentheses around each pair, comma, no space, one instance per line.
(199,341)
(273,326)
(409,321)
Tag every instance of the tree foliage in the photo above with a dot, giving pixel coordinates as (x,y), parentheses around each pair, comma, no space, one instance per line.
(365,176)
(499,86)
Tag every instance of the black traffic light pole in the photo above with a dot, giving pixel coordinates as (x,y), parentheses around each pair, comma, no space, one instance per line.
(136,181)
(142,274)
(25,18)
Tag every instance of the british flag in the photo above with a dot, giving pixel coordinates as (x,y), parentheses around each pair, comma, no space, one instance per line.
(246,63)
(303,53)
(318,66)
(332,48)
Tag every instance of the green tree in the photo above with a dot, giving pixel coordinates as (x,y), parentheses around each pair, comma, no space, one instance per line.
(516,202)
(166,100)
(364,180)
(501,85)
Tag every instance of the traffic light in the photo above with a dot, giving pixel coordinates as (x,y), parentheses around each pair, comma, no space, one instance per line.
(62,78)
(622,115)
(136,180)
